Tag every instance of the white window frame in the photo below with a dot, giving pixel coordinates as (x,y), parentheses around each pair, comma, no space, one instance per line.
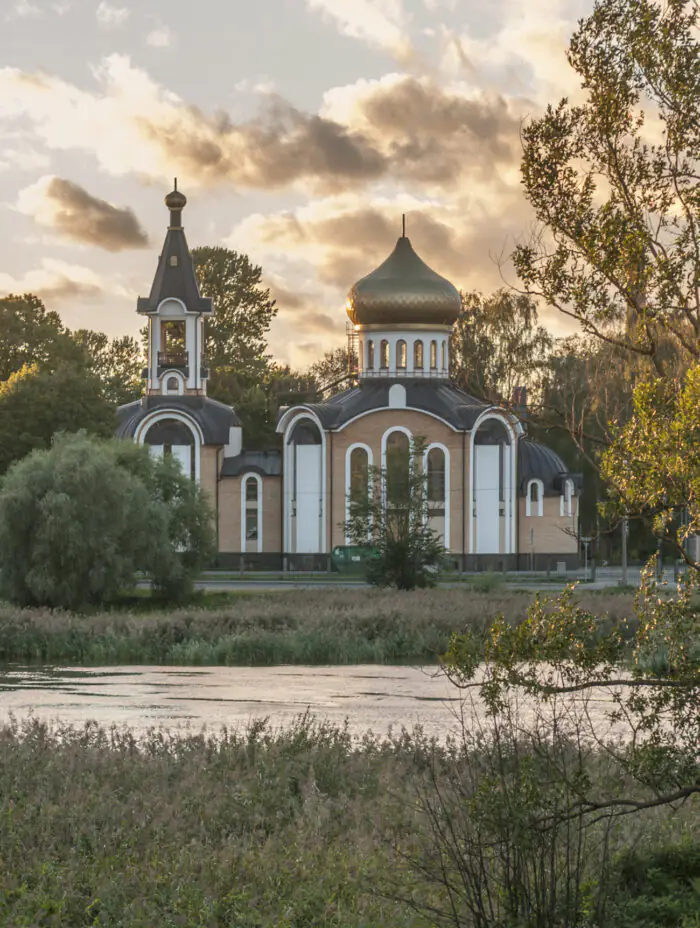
(446,501)
(566,505)
(540,497)
(348,475)
(244,511)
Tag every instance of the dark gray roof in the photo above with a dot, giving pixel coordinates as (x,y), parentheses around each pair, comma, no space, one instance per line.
(441,398)
(179,281)
(214,418)
(539,461)
(265,463)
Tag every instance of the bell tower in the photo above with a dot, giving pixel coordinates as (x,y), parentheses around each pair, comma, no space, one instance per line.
(176,311)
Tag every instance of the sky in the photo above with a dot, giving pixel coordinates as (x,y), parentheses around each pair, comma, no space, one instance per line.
(300,131)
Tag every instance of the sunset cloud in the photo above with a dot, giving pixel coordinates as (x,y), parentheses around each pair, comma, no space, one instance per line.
(56,281)
(379,23)
(71,211)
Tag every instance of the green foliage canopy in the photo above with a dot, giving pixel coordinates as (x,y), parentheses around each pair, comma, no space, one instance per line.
(79,520)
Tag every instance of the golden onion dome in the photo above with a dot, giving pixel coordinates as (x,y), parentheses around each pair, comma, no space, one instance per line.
(176,200)
(403,291)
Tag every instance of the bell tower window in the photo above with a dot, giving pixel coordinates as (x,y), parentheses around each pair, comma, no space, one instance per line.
(401,354)
(173,261)
(418,355)
(384,355)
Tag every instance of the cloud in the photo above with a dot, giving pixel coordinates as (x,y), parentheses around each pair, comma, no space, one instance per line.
(74,213)
(160,37)
(379,23)
(112,16)
(400,129)
(54,280)
(24,9)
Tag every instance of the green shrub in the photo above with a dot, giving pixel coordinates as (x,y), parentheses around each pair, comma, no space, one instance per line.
(79,520)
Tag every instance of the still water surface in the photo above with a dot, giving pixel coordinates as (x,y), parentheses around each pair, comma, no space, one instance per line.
(370,697)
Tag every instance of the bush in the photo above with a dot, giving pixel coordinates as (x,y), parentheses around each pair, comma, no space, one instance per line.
(79,520)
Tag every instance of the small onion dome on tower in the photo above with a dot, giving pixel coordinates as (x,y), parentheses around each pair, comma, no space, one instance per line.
(176,202)
(403,291)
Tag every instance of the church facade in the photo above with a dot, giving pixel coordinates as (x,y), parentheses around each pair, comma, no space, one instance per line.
(498,499)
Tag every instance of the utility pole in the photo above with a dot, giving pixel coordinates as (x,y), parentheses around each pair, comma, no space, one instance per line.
(624,580)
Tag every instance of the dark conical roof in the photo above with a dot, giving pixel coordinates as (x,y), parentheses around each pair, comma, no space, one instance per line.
(403,290)
(175,276)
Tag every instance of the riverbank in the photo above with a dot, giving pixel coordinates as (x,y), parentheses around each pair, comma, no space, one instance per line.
(303,828)
(336,627)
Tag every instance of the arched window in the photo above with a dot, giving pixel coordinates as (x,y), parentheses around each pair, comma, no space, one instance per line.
(401,355)
(172,437)
(566,499)
(534,499)
(433,356)
(251,527)
(418,355)
(444,356)
(384,355)
(172,385)
(359,475)
(436,476)
(397,469)
(370,355)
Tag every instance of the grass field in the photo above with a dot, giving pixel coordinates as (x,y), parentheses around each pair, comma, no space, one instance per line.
(347,626)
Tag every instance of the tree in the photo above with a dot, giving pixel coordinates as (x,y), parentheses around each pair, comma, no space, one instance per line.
(335,371)
(236,335)
(79,520)
(389,509)
(498,344)
(117,363)
(618,200)
(35,404)
(30,334)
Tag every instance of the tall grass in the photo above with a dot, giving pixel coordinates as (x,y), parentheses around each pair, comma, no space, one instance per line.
(296,828)
(295,627)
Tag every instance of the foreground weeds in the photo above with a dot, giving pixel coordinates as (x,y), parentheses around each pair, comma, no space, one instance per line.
(295,627)
(307,827)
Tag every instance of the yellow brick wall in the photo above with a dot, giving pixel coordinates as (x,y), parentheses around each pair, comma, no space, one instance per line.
(549,529)
(230,514)
(369,430)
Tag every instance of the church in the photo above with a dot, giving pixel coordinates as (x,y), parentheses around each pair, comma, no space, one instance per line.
(498,499)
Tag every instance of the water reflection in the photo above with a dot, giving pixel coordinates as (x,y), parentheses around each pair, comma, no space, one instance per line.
(370,697)
(141,697)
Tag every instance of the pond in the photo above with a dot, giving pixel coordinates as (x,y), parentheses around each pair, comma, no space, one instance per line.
(370,697)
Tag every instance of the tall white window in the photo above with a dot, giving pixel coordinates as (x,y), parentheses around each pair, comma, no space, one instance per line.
(534,500)
(251,514)
(566,499)
(359,475)
(436,476)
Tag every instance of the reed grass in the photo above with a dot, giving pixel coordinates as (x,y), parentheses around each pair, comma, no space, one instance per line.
(296,627)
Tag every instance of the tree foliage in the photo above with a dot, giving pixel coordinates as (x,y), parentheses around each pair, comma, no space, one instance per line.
(498,344)
(614,182)
(117,363)
(391,513)
(77,521)
(236,336)
(31,335)
(35,404)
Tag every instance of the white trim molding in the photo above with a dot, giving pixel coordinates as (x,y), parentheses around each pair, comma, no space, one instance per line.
(534,482)
(286,424)
(514,429)
(348,474)
(244,510)
(446,501)
(566,505)
(158,416)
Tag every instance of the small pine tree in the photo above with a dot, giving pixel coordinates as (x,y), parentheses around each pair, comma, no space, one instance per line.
(390,512)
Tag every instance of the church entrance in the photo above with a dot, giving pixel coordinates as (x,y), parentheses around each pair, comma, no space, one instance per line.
(304,488)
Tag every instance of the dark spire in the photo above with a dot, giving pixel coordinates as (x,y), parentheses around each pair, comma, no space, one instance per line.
(175,276)
(403,225)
